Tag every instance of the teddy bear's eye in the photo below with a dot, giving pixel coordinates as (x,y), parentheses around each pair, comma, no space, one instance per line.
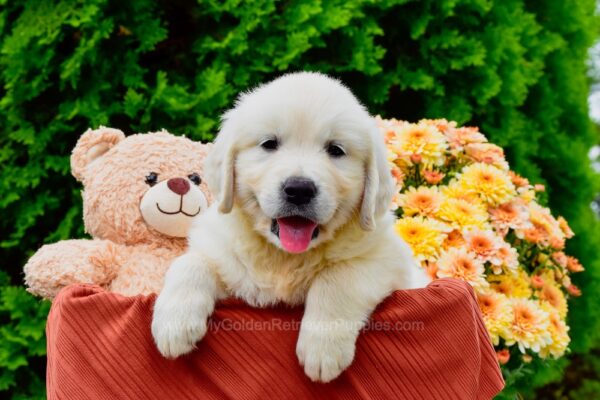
(195,178)
(152,178)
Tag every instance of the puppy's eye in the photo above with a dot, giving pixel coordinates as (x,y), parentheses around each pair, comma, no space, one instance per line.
(335,150)
(152,178)
(195,178)
(270,144)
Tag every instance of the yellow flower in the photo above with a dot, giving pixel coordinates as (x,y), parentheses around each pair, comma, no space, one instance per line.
(455,191)
(497,314)
(425,236)
(491,184)
(511,284)
(554,297)
(423,201)
(559,333)
(422,140)
(529,327)
(462,222)
(526,195)
(459,263)
(461,214)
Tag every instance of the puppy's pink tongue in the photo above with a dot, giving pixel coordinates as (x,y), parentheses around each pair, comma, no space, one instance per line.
(295,233)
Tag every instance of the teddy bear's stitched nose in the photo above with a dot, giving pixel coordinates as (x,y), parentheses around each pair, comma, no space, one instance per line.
(178,185)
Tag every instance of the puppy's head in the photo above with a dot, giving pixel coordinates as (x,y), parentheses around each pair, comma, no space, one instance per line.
(301,156)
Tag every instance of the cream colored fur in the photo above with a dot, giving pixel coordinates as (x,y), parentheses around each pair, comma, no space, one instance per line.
(353,264)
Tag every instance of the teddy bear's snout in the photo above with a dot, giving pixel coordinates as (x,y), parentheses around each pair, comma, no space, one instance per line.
(178,185)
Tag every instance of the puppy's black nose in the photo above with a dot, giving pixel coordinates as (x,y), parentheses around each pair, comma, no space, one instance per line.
(299,191)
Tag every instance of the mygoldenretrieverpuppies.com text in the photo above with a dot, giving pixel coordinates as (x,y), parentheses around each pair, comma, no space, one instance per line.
(277,324)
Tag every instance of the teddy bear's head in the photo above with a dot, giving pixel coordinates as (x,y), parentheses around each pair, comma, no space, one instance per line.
(142,188)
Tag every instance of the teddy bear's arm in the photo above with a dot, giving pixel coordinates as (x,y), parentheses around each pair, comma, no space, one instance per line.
(57,265)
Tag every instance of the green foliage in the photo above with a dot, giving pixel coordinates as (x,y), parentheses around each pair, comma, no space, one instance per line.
(515,68)
(22,337)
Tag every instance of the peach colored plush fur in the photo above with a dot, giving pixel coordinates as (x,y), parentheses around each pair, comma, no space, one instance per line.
(125,255)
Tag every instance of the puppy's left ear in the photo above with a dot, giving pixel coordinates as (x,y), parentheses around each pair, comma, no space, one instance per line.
(219,167)
(379,184)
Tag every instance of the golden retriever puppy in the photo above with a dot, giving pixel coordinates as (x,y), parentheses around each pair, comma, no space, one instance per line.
(304,189)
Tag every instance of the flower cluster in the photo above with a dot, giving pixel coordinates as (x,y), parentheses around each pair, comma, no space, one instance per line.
(466,215)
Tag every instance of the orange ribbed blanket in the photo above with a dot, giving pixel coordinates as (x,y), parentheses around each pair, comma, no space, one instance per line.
(420,344)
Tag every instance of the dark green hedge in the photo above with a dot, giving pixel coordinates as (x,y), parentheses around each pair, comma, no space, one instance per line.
(516,68)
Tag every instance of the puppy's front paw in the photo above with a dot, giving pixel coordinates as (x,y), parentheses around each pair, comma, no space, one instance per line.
(176,330)
(325,354)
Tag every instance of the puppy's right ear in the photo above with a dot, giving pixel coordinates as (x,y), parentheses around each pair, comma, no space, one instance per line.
(92,145)
(219,167)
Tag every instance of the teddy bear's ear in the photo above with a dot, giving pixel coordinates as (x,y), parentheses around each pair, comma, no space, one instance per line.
(92,145)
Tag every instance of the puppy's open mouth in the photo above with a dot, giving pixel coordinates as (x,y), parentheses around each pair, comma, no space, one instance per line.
(295,233)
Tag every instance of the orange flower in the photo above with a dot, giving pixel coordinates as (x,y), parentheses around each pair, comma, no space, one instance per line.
(574,291)
(557,242)
(502,287)
(503,356)
(416,158)
(518,180)
(433,177)
(389,135)
(555,298)
(529,327)
(539,188)
(564,227)
(574,265)
(423,201)
(509,258)
(541,234)
(544,230)
(511,215)
(537,282)
(560,258)
(486,153)
(454,239)
(398,175)
(431,269)
(458,138)
(442,125)
(459,263)
(484,244)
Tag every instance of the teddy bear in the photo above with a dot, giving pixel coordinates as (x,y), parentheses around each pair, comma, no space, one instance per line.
(140,195)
